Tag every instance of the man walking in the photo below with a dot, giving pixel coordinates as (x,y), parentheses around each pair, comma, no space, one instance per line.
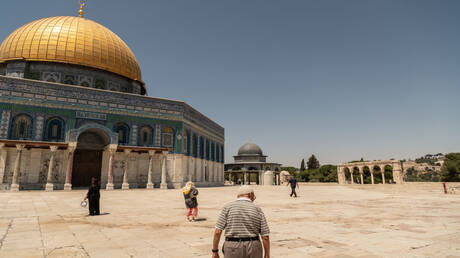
(294,184)
(243,222)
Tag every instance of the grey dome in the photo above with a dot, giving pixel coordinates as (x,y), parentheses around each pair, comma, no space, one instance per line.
(250,149)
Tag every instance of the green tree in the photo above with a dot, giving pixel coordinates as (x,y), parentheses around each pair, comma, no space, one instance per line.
(329,173)
(450,171)
(302,165)
(303,176)
(326,173)
(312,162)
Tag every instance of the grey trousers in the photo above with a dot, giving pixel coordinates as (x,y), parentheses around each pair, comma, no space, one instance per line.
(246,249)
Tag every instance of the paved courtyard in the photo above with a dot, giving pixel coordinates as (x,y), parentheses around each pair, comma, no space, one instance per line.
(327,220)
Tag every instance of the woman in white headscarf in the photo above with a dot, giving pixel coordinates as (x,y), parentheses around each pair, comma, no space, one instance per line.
(191,203)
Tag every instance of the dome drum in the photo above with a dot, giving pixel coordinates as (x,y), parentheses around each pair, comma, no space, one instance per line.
(72,75)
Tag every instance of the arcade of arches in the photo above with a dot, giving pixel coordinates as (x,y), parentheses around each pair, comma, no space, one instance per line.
(93,152)
(371,172)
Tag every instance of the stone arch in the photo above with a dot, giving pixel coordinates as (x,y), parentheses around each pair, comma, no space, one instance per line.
(75,133)
(356,174)
(346,172)
(367,175)
(87,161)
(377,174)
(388,173)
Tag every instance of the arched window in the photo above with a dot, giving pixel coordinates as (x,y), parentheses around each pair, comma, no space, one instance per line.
(54,129)
(222,154)
(69,79)
(217,153)
(167,136)
(213,154)
(207,149)
(85,84)
(123,133)
(145,136)
(100,84)
(195,146)
(201,147)
(22,127)
(187,142)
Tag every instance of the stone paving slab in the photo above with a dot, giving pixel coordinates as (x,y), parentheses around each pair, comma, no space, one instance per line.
(326,220)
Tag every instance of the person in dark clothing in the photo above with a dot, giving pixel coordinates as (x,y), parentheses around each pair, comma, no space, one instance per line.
(191,203)
(293,183)
(93,196)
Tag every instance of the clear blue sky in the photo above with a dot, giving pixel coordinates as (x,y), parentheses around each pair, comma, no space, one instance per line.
(340,79)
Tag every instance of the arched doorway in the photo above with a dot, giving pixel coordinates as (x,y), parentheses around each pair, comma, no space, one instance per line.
(88,157)
(388,169)
(367,175)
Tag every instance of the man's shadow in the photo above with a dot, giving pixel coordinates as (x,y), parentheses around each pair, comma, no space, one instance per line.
(102,214)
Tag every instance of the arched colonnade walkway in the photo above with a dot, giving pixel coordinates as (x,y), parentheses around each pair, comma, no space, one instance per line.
(358,172)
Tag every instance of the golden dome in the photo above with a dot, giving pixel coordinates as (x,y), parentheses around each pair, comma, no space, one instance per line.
(71,40)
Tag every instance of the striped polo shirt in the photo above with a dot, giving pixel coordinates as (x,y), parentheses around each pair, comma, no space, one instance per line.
(242,218)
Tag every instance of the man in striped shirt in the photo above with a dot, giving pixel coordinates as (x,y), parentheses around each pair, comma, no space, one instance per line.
(243,222)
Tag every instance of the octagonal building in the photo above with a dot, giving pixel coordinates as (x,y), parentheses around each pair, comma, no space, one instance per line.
(73,106)
(250,165)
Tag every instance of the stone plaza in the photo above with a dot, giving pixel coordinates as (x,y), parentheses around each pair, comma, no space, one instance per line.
(326,220)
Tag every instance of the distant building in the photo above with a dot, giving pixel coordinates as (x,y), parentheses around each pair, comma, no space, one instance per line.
(249,166)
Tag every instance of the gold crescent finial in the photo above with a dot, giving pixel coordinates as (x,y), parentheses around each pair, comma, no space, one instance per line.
(82,4)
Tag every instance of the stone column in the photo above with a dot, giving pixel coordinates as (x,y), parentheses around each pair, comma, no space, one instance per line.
(17,164)
(372,174)
(351,175)
(164,156)
(68,174)
(382,169)
(125,185)
(397,173)
(339,175)
(2,161)
(361,174)
(193,169)
(150,174)
(49,179)
(112,148)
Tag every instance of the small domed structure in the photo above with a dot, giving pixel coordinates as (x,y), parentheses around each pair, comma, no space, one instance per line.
(250,165)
